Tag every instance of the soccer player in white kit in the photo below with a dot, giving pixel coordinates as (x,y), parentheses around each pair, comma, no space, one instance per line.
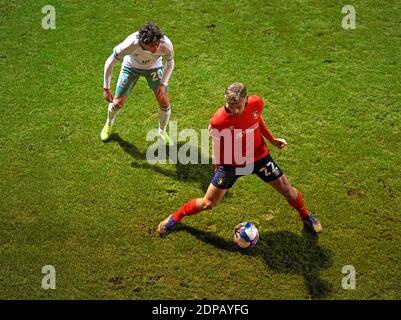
(141,53)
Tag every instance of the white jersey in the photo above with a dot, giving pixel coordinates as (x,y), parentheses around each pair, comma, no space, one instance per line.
(136,57)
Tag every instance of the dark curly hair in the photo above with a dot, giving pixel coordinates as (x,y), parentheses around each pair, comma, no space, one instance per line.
(149,33)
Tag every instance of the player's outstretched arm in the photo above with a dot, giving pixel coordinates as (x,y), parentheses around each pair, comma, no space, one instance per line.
(279,143)
(265,131)
(108,70)
(168,70)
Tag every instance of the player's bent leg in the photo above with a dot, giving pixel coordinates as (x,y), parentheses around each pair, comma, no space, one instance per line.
(126,81)
(212,198)
(295,200)
(164,116)
(163,101)
(154,78)
(283,186)
(113,110)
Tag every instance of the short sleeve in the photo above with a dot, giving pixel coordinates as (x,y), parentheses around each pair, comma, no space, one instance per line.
(260,103)
(213,131)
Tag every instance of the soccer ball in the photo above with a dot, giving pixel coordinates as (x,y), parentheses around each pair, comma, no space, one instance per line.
(246,235)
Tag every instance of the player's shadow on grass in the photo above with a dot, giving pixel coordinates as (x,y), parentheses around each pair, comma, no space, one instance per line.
(200,173)
(283,252)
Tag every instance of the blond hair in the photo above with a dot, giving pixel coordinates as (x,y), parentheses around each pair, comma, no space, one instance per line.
(234,93)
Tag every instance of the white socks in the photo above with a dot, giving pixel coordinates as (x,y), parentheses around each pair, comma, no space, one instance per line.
(164,116)
(111,116)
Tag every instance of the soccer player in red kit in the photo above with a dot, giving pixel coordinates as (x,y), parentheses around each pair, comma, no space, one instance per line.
(237,130)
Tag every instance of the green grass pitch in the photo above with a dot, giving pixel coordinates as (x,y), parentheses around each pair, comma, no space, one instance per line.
(90,209)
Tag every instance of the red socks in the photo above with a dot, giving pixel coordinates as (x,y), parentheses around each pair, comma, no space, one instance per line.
(298,204)
(190,209)
(187,209)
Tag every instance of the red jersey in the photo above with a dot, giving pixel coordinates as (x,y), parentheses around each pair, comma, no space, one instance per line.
(237,139)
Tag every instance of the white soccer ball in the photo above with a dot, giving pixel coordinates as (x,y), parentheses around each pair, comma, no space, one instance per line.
(246,235)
